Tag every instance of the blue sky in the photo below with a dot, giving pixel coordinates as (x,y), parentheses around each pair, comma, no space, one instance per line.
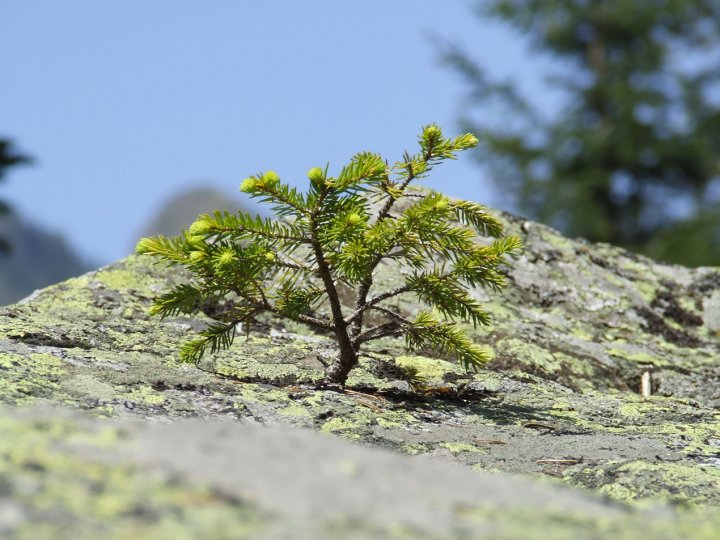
(125,103)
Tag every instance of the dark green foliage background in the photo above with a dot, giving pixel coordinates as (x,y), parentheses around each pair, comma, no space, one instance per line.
(633,157)
(9,157)
(37,259)
(30,258)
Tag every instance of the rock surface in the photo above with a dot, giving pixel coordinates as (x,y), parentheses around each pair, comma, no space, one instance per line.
(572,335)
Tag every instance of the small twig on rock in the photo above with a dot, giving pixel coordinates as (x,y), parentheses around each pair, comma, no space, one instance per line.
(560,461)
(645,384)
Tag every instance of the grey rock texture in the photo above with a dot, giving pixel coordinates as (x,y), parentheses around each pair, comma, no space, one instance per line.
(78,477)
(559,404)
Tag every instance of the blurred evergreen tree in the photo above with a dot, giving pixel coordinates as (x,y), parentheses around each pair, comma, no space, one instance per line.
(30,258)
(634,156)
(9,157)
(39,258)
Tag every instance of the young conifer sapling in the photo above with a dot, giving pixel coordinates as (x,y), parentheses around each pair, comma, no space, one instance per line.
(335,236)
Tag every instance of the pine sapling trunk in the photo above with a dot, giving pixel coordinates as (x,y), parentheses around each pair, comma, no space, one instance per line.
(337,371)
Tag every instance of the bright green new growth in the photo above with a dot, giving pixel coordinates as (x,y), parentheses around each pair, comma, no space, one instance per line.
(335,235)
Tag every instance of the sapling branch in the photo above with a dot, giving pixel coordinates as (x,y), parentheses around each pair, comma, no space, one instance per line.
(390,313)
(386,329)
(297,267)
(375,300)
(393,328)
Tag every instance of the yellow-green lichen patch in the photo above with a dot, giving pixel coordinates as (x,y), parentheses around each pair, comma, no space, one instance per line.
(387,424)
(663,482)
(390,419)
(357,417)
(72,294)
(632,354)
(283,363)
(687,357)
(691,437)
(416,449)
(145,395)
(427,370)
(26,378)
(681,425)
(121,279)
(294,410)
(314,399)
(570,524)
(528,355)
(559,242)
(78,282)
(281,374)
(460,447)
(45,365)
(364,376)
(647,290)
(60,494)
(491,380)
(580,372)
(635,411)
(89,387)
(256,393)
(342,425)
(581,332)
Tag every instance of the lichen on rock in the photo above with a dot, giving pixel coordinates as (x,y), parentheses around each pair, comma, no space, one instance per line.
(571,336)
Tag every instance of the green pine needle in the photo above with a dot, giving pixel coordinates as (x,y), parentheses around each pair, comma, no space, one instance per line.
(446,338)
(216,337)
